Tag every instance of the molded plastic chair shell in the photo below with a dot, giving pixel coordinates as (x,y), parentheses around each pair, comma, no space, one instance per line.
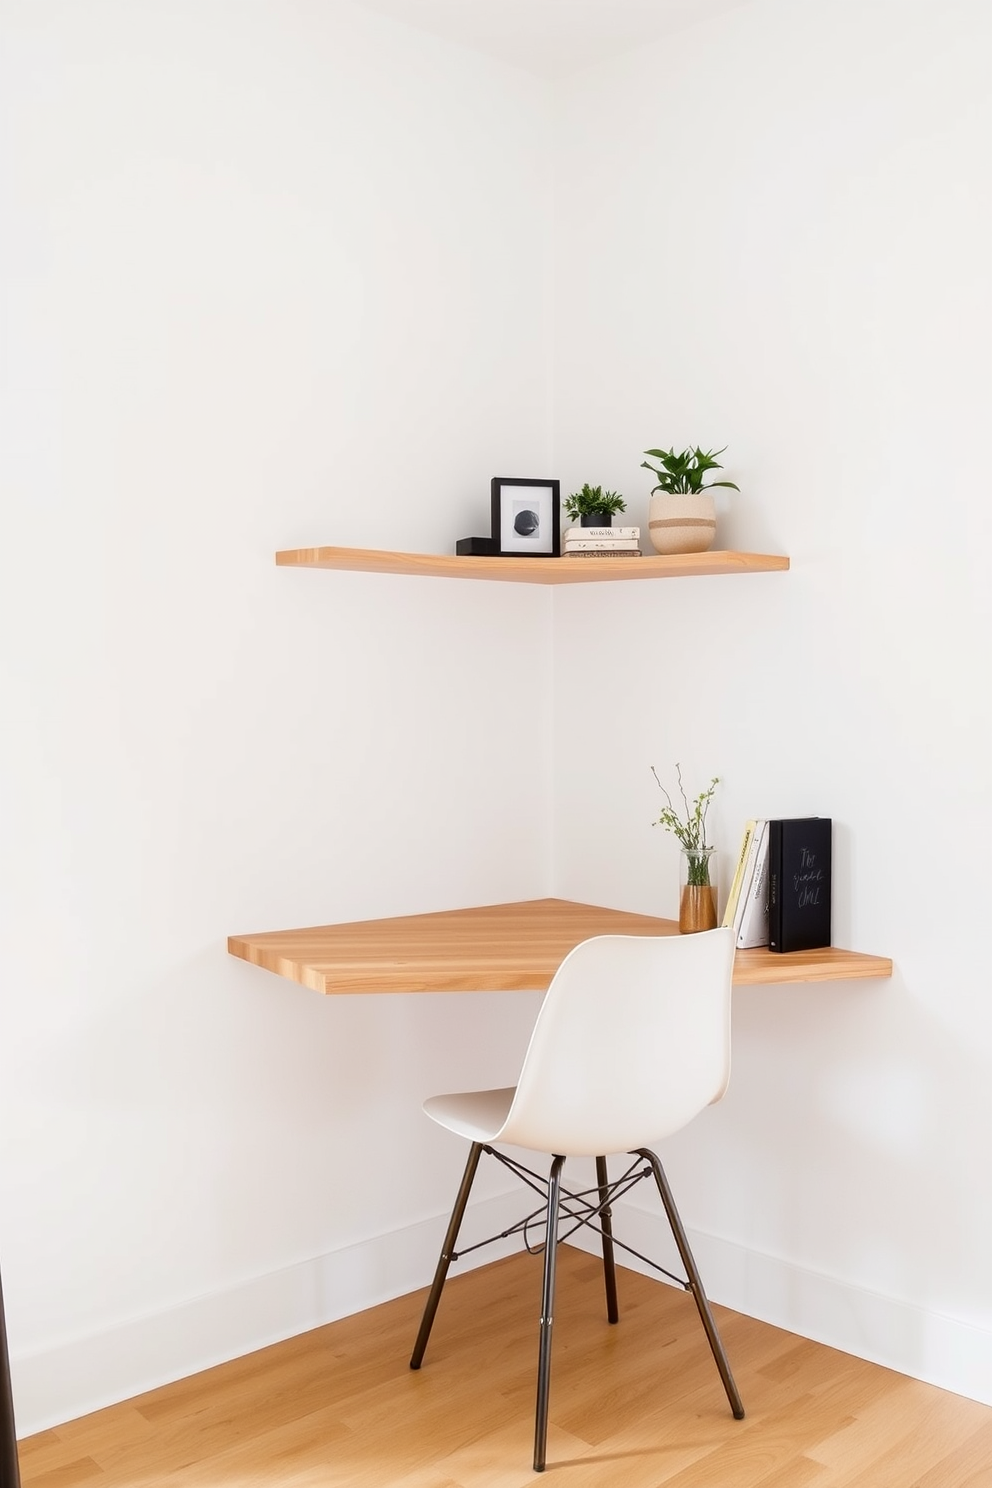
(632,1041)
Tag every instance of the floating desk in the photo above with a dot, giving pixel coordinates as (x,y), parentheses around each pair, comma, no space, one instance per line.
(497,948)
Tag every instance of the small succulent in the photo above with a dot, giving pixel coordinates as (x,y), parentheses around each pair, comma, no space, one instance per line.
(593,499)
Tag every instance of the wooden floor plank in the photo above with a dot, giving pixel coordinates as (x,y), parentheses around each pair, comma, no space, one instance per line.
(636,1405)
(968,1465)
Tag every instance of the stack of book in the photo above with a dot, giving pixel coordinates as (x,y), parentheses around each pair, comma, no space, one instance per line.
(602,542)
(781,891)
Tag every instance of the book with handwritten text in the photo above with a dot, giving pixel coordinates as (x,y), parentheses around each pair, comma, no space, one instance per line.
(799,883)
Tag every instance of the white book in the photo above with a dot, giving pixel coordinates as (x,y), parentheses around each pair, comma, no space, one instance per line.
(753,929)
(760,832)
(600,544)
(628,532)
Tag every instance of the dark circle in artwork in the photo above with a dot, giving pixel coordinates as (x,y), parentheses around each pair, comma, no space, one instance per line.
(526,523)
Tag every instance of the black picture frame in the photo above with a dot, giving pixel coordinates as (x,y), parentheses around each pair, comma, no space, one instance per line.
(526,520)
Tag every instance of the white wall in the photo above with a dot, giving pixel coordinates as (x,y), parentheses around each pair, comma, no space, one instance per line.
(273,275)
(775,233)
(278,275)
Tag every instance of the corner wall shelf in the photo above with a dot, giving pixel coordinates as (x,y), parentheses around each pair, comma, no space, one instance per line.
(533,570)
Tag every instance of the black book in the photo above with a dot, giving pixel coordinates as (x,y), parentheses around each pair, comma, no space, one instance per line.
(799,865)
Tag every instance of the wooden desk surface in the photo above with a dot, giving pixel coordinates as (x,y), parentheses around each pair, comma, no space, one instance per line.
(496,948)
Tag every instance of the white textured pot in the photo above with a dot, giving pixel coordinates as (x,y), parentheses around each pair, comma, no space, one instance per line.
(682,523)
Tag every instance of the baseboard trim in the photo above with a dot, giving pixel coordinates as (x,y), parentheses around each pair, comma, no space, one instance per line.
(84,1374)
(929,1346)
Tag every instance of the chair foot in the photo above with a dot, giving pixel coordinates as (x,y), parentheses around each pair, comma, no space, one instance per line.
(447,1251)
(695,1284)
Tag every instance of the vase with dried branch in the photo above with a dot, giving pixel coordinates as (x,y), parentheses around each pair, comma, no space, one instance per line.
(697,876)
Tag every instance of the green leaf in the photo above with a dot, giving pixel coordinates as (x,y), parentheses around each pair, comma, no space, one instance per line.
(683,473)
(593,499)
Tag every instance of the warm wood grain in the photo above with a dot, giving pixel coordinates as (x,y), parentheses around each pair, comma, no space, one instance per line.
(831,964)
(638,1405)
(495,948)
(533,570)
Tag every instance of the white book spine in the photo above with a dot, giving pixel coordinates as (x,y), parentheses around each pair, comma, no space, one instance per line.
(634,532)
(754,921)
(600,545)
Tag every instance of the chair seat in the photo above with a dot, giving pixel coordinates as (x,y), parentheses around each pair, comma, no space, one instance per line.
(475,1114)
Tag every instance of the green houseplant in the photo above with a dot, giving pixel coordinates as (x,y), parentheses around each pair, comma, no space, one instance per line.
(684,472)
(594,507)
(682,515)
(697,895)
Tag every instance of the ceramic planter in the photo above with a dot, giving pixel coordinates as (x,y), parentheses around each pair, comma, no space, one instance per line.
(682,523)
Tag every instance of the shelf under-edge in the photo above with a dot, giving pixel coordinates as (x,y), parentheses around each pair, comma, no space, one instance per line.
(533,570)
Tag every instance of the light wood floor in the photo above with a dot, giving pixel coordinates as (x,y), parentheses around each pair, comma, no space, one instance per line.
(639,1405)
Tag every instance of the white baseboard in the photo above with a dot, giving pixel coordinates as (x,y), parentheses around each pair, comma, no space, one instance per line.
(903,1336)
(84,1374)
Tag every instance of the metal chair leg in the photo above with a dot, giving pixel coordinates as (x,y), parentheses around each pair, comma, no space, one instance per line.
(447,1252)
(606,1224)
(9,1471)
(695,1283)
(547,1316)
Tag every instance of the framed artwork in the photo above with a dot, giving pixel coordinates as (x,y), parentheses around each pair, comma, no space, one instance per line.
(525,517)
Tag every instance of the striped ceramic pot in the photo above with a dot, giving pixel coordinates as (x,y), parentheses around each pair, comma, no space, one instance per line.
(683,523)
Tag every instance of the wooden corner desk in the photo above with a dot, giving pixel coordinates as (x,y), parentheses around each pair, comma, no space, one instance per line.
(496,948)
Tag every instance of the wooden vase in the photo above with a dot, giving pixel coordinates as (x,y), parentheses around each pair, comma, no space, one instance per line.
(697,908)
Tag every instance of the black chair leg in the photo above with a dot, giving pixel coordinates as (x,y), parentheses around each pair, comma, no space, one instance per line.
(606,1224)
(547,1316)
(9,1472)
(695,1283)
(447,1251)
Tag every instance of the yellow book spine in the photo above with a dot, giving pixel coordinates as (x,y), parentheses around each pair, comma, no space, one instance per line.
(735,887)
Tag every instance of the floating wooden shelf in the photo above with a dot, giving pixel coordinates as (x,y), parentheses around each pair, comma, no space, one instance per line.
(496,948)
(533,570)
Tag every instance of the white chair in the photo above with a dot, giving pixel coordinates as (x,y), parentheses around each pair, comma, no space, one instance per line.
(632,1041)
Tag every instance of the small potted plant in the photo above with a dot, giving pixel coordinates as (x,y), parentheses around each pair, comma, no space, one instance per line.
(594,507)
(697,876)
(682,514)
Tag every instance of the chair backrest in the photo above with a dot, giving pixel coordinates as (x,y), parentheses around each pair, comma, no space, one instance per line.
(632,1041)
